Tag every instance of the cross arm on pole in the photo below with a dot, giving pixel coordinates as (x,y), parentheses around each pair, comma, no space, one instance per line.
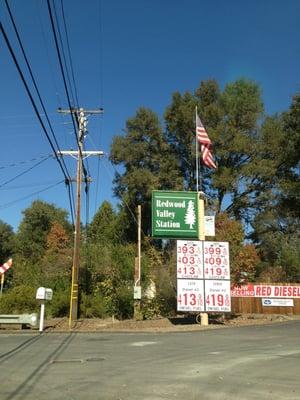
(84,153)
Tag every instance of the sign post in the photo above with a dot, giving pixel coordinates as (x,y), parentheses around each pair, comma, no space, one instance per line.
(203,316)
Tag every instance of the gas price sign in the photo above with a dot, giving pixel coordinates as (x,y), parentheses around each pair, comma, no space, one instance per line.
(203,276)
(216,260)
(189,259)
(217,296)
(190,295)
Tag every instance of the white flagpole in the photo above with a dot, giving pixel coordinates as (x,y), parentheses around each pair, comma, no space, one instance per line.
(197,156)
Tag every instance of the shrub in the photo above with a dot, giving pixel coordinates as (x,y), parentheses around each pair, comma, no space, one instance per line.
(151,308)
(93,306)
(18,300)
(124,302)
(59,305)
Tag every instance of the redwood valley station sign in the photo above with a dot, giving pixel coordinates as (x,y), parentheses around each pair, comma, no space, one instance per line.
(174,214)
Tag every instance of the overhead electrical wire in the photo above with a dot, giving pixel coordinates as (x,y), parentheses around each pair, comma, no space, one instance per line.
(87,187)
(67,178)
(100,54)
(85,173)
(74,120)
(71,108)
(69,52)
(27,185)
(11,203)
(16,164)
(24,172)
(34,82)
(86,180)
(73,97)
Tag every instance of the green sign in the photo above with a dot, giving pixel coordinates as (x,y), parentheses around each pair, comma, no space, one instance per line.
(174,214)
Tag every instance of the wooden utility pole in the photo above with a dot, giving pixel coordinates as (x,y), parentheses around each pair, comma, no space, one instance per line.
(137,270)
(81,115)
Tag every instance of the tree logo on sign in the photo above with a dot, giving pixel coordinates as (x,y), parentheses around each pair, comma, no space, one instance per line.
(190,217)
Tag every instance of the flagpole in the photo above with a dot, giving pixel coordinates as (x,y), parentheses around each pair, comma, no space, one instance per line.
(197,155)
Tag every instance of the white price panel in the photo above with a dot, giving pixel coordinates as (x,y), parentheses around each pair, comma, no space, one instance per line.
(189,259)
(217,296)
(190,295)
(216,260)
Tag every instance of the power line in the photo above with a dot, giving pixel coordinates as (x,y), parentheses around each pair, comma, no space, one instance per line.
(69,52)
(34,81)
(16,164)
(11,203)
(74,98)
(65,84)
(67,180)
(62,71)
(24,172)
(27,185)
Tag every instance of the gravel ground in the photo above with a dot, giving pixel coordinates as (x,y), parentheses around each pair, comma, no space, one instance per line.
(175,324)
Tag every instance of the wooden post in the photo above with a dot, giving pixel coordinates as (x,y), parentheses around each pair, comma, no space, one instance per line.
(137,271)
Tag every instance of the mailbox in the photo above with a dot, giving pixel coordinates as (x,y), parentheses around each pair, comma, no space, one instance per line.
(44,293)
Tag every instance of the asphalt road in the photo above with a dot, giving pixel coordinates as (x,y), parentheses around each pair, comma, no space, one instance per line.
(258,362)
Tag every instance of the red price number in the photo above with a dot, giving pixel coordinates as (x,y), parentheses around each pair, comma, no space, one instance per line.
(212,250)
(187,299)
(186,260)
(187,249)
(186,270)
(214,271)
(215,300)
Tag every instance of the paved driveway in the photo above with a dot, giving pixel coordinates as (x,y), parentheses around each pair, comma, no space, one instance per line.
(257,362)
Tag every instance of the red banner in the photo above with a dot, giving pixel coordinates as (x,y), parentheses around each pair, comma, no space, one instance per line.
(5,266)
(252,290)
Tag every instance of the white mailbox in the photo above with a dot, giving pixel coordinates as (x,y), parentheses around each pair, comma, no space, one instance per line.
(44,293)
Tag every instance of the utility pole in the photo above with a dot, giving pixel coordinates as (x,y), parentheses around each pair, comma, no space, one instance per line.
(81,116)
(137,271)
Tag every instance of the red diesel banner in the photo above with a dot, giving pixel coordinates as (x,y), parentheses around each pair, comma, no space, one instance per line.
(252,290)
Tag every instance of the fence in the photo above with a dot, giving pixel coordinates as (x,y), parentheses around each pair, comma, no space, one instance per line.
(249,298)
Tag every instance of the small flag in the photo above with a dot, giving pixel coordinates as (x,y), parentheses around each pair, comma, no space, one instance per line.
(5,266)
(205,142)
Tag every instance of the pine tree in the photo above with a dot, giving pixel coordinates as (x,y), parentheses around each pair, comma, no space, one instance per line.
(190,217)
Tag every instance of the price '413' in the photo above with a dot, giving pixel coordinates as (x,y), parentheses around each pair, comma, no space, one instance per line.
(189,299)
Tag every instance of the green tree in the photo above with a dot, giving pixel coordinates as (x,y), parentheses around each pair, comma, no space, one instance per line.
(6,241)
(103,225)
(231,119)
(276,226)
(148,164)
(290,170)
(35,226)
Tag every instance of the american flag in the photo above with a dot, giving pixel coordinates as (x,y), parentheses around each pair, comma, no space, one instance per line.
(5,266)
(205,142)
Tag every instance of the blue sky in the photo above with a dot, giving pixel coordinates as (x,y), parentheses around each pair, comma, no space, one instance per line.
(128,54)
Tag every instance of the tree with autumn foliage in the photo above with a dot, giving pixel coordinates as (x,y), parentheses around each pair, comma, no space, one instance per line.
(57,260)
(243,257)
